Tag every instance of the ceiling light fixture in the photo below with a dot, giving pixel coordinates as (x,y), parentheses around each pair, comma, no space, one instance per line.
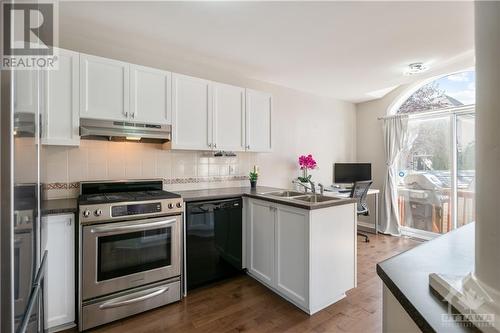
(416,68)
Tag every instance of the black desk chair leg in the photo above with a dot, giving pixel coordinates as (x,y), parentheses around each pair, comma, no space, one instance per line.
(365,236)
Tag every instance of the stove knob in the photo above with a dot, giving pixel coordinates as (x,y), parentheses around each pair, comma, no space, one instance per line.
(98,212)
(170,205)
(86,213)
(178,205)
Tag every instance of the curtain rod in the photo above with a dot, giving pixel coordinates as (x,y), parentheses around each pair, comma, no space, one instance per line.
(462,109)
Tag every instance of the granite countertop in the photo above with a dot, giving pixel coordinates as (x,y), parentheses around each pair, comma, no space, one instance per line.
(59,206)
(258,193)
(221,193)
(407,277)
(62,206)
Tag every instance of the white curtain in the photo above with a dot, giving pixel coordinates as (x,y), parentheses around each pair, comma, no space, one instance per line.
(396,140)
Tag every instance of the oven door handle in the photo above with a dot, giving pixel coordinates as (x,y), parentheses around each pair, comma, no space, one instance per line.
(133,227)
(124,302)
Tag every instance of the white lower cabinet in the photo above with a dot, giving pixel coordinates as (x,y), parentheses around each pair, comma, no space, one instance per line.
(291,249)
(261,240)
(58,238)
(306,256)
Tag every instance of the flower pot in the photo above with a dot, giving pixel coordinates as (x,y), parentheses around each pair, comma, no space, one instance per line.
(253,184)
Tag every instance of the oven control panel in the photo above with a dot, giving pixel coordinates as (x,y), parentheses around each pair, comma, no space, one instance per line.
(134,209)
(129,210)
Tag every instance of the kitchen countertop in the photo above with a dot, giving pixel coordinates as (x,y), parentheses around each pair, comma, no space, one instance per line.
(59,206)
(258,193)
(63,206)
(407,277)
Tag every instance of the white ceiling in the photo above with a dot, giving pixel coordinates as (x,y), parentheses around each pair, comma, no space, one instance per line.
(353,51)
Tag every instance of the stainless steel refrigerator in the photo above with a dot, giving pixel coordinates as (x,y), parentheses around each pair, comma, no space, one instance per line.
(22,263)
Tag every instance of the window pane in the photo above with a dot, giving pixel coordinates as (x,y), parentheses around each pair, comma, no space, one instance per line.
(466,169)
(424,177)
(454,90)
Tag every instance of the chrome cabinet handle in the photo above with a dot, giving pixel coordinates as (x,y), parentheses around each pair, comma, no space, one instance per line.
(215,145)
(119,302)
(132,115)
(209,145)
(134,227)
(126,114)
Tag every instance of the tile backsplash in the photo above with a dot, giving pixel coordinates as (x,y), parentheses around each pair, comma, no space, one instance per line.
(62,167)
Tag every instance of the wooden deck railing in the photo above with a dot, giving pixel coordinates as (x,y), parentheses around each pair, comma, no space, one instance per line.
(440,221)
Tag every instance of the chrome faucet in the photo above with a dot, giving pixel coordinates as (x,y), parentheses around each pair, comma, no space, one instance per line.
(313,186)
(321,188)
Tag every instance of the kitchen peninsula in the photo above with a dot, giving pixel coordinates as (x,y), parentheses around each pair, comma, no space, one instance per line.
(301,246)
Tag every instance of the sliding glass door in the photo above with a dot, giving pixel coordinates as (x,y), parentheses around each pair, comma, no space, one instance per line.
(466,169)
(436,174)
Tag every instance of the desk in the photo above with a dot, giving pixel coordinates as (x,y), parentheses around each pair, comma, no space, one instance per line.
(365,223)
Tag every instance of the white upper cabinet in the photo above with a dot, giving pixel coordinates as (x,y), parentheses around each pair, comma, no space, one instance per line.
(104,88)
(60,114)
(191,113)
(258,121)
(229,117)
(150,95)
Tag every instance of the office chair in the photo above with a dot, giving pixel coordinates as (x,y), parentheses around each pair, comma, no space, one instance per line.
(359,192)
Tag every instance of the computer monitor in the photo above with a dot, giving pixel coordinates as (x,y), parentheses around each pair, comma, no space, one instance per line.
(348,173)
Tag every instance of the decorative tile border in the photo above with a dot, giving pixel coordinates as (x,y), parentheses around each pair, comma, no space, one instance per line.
(59,186)
(166,181)
(193,180)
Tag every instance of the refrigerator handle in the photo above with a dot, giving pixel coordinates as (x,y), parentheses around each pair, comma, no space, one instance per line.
(35,290)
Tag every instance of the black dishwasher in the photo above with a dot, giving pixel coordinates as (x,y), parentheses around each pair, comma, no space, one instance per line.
(213,241)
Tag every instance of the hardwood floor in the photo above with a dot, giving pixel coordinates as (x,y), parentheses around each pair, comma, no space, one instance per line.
(244,305)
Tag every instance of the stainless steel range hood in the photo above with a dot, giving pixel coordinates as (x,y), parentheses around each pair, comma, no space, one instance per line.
(92,128)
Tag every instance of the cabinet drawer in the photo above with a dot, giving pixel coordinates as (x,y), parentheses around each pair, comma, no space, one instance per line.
(127,304)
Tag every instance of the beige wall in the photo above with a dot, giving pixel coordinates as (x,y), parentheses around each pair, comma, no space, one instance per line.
(302,123)
(370,138)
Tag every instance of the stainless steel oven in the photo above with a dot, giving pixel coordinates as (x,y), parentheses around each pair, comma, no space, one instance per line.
(123,255)
(130,249)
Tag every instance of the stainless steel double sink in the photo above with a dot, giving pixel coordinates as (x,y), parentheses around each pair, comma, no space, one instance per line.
(299,196)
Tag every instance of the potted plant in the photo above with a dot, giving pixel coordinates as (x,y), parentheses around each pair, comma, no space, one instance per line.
(306,163)
(254,174)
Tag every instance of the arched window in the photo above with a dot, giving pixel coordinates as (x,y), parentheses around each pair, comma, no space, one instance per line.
(450,91)
(435,176)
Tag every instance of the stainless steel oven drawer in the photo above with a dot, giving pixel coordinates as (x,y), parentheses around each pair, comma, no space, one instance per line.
(127,304)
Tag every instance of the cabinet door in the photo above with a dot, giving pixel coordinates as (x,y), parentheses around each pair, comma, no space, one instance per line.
(104,88)
(229,117)
(261,241)
(191,113)
(292,249)
(150,95)
(258,121)
(26,91)
(60,118)
(60,275)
